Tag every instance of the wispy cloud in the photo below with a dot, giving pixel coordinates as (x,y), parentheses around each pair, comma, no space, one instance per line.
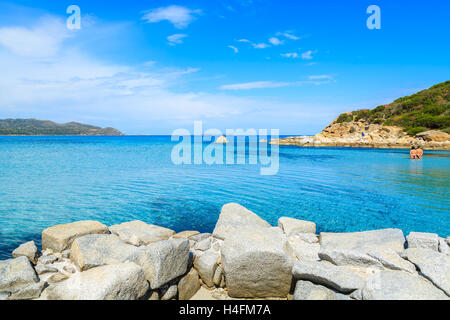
(275,41)
(288,35)
(176,38)
(293,55)
(179,16)
(275,84)
(236,50)
(260,45)
(308,55)
(321,77)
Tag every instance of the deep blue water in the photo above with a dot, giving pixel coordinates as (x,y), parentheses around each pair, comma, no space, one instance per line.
(53,180)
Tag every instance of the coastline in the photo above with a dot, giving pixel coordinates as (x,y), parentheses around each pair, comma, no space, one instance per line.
(87,260)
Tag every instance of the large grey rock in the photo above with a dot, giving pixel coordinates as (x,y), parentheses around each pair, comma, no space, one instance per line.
(367,257)
(234,216)
(16,274)
(203,245)
(125,281)
(100,249)
(384,239)
(28,250)
(304,250)
(139,233)
(43,269)
(423,240)
(206,264)
(443,246)
(305,290)
(329,275)
(290,225)
(257,262)
(433,265)
(398,285)
(189,285)
(164,261)
(33,291)
(169,293)
(59,238)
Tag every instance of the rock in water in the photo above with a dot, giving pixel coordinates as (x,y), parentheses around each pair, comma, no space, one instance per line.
(423,240)
(16,274)
(383,239)
(257,263)
(139,233)
(59,238)
(125,281)
(189,285)
(329,275)
(164,261)
(99,249)
(28,250)
(290,226)
(398,285)
(234,216)
(433,265)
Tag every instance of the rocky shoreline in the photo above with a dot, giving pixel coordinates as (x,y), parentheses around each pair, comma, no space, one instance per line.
(244,258)
(360,134)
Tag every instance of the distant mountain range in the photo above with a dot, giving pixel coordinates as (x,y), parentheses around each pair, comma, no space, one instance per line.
(34,127)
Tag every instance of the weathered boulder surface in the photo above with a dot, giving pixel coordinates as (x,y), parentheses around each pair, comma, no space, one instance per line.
(139,233)
(304,250)
(28,250)
(16,274)
(433,265)
(397,285)
(189,285)
(234,216)
(185,234)
(443,246)
(367,257)
(124,281)
(164,261)
(290,225)
(33,291)
(100,249)
(59,238)
(329,275)
(423,240)
(206,264)
(257,263)
(384,239)
(305,290)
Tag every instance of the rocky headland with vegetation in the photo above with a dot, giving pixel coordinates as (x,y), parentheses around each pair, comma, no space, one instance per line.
(422,119)
(244,258)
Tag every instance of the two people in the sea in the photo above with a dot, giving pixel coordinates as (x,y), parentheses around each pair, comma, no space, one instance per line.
(416,153)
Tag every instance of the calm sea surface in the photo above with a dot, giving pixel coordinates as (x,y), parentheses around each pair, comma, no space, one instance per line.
(46,181)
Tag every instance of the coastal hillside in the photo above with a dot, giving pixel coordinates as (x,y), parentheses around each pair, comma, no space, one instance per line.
(30,127)
(426,110)
(422,119)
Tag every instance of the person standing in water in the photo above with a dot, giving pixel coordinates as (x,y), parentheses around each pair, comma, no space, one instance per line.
(413,153)
(419,152)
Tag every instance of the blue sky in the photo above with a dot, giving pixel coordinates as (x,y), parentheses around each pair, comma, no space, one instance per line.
(149,67)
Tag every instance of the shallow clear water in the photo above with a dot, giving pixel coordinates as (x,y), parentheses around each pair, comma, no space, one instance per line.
(53,180)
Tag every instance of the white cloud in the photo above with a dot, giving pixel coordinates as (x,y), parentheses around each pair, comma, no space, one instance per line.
(307,55)
(41,41)
(255,85)
(243,40)
(176,39)
(293,55)
(179,16)
(275,41)
(260,45)
(236,50)
(321,77)
(288,35)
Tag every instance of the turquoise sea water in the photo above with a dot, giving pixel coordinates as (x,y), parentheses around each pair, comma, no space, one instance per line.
(53,180)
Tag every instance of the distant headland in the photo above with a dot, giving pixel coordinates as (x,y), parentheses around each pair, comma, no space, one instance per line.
(34,127)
